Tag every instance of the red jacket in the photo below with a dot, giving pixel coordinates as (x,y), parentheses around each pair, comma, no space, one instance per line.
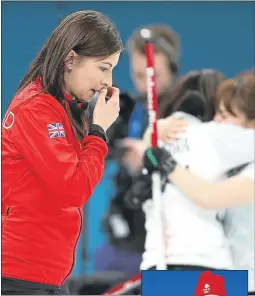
(47,175)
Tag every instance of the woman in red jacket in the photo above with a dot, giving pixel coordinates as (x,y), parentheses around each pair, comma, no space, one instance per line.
(52,154)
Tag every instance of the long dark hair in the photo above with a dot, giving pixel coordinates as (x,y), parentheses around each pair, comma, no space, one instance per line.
(88,33)
(201,86)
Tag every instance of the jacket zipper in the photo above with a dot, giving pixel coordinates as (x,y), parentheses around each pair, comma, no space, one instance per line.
(75,245)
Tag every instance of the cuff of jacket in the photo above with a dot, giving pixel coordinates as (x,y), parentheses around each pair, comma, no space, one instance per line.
(95,142)
(97,130)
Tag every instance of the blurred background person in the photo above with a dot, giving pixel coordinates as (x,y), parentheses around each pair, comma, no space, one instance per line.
(238,107)
(230,195)
(125,227)
(235,104)
(167,68)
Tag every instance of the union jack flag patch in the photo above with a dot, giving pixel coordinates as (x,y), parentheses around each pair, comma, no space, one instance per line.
(56,130)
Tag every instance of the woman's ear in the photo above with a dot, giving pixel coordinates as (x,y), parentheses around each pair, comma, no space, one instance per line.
(69,60)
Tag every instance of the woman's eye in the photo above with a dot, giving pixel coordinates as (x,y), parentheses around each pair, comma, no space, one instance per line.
(103,69)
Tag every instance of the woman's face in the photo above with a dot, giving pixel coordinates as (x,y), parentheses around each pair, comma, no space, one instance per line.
(84,77)
(222,115)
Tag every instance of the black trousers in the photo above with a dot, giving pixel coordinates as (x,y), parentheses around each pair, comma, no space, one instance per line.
(12,286)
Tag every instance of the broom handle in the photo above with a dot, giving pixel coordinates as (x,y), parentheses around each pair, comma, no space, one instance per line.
(153,115)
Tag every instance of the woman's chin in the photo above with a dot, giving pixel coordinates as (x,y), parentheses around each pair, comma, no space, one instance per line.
(94,95)
(86,98)
(91,95)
